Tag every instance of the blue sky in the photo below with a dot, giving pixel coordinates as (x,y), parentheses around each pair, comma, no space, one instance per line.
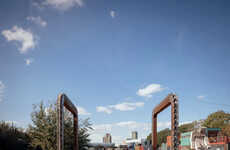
(114,55)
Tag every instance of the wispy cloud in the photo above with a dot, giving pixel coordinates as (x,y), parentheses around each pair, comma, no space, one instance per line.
(129,124)
(201,97)
(104,109)
(24,37)
(82,111)
(125,106)
(62,5)
(37,20)
(29,61)
(149,90)
(112,13)
(2,90)
(102,128)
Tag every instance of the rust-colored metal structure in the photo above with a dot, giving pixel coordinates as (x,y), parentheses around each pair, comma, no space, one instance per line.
(63,101)
(172,100)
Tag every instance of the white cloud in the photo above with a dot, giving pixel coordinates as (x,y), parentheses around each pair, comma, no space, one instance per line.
(129,124)
(37,5)
(63,4)
(104,109)
(29,61)
(102,128)
(201,97)
(25,37)
(149,90)
(112,14)
(132,125)
(2,89)
(126,123)
(145,126)
(127,106)
(82,111)
(37,20)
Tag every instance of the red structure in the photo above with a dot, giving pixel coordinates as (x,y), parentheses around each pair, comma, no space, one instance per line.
(172,100)
(63,101)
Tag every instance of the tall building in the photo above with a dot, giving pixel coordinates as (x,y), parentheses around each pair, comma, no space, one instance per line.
(107,139)
(134,135)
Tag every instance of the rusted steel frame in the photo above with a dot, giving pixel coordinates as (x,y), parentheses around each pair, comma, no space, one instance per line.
(154,132)
(163,104)
(172,100)
(63,101)
(174,123)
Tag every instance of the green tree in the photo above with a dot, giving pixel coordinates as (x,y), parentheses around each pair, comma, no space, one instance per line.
(219,119)
(186,127)
(226,130)
(43,132)
(12,137)
(161,136)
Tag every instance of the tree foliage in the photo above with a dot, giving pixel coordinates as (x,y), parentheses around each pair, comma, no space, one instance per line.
(186,127)
(12,137)
(226,130)
(43,132)
(162,135)
(219,119)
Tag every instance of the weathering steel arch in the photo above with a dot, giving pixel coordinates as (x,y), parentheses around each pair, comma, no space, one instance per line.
(63,101)
(172,100)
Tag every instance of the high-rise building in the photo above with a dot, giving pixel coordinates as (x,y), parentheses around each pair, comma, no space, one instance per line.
(107,138)
(134,135)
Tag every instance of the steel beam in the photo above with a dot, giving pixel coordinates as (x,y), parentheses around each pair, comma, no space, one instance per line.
(172,100)
(154,131)
(63,101)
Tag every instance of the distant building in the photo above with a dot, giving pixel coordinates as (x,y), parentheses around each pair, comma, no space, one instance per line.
(107,139)
(134,135)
